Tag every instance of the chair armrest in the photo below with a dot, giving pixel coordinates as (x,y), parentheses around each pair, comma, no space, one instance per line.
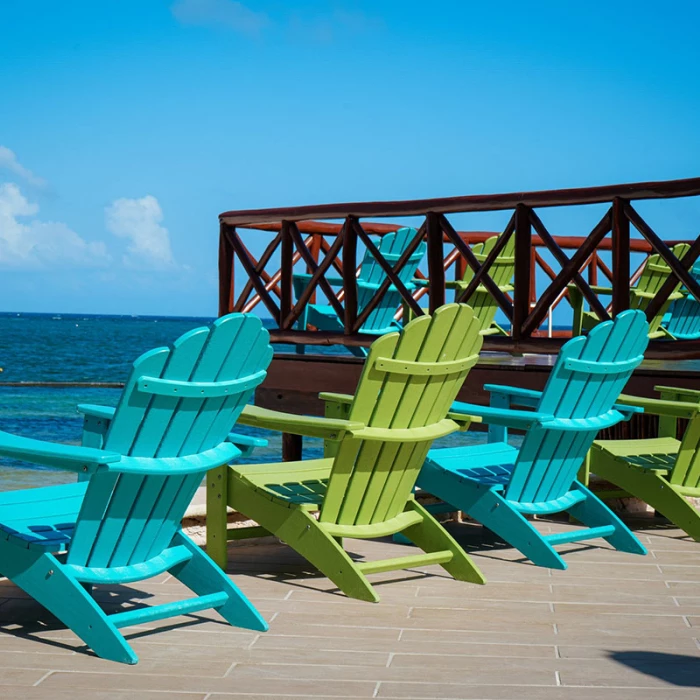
(408,435)
(306,276)
(501,416)
(659,407)
(246,443)
(95,411)
(689,395)
(516,395)
(309,426)
(422,283)
(52,454)
(343,399)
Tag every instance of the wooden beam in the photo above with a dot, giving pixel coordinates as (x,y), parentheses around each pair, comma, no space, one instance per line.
(286,270)
(538,313)
(620,257)
(226,272)
(249,267)
(521,284)
(468,254)
(349,276)
(386,282)
(436,270)
(270,281)
(484,202)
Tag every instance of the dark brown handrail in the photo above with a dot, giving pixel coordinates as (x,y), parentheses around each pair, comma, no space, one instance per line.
(524,305)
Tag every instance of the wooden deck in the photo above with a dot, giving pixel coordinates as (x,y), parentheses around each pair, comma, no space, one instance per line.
(612,626)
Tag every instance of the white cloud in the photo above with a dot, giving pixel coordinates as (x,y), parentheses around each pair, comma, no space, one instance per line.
(40,243)
(220,13)
(8,161)
(138,220)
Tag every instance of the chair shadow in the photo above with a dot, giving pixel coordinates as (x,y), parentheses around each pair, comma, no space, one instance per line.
(676,669)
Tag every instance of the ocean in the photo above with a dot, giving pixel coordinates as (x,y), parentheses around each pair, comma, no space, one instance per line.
(84,348)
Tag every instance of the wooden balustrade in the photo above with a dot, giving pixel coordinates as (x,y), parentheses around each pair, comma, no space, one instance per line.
(308,242)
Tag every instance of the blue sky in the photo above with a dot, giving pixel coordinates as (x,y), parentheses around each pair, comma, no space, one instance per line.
(126,127)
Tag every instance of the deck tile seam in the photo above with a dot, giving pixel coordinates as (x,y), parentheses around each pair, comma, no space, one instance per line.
(43,678)
(229,669)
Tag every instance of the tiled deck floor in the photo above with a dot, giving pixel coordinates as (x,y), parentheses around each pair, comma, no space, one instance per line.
(612,626)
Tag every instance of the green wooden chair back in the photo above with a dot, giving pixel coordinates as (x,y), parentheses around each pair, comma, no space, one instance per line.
(372,275)
(179,401)
(408,383)
(501,272)
(653,276)
(686,471)
(584,384)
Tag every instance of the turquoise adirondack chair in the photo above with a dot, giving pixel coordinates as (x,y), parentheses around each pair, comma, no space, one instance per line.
(371,276)
(499,485)
(682,321)
(144,460)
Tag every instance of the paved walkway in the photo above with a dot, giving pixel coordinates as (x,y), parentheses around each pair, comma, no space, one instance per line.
(612,626)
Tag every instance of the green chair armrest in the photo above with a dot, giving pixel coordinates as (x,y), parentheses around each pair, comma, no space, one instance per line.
(408,435)
(660,407)
(343,399)
(690,395)
(309,426)
(53,454)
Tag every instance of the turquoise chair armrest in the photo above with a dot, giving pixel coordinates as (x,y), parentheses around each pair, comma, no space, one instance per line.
(514,394)
(306,277)
(501,416)
(246,443)
(95,411)
(53,454)
(309,426)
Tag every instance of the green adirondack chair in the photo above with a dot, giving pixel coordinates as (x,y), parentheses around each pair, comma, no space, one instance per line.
(144,461)
(501,272)
(654,274)
(661,471)
(363,488)
(498,484)
(381,320)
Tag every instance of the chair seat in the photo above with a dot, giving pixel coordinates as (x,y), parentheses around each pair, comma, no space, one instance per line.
(491,463)
(294,482)
(41,519)
(648,453)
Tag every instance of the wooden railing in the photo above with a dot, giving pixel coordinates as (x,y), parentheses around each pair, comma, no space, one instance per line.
(306,239)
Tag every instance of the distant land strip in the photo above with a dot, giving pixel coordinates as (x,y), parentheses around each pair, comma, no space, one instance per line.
(62,385)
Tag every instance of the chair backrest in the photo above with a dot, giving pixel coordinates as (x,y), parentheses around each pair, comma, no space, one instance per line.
(584,384)
(179,401)
(654,274)
(686,470)
(501,272)
(684,319)
(409,381)
(372,275)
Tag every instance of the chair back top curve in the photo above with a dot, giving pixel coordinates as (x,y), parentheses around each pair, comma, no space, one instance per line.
(588,376)
(408,384)
(391,247)
(501,272)
(178,402)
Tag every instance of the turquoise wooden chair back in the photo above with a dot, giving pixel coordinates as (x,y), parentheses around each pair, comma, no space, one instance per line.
(501,272)
(589,375)
(408,384)
(178,402)
(372,275)
(684,320)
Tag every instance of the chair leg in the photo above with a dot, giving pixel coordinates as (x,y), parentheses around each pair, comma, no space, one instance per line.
(592,512)
(430,536)
(46,580)
(203,576)
(217,540)
(499,516)
(651,488)
(303,533)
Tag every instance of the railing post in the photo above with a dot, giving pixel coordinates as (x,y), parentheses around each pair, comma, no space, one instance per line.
(436,269)
(523,269)
(349,233)
(226,272)
(286,267)
(620,257)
